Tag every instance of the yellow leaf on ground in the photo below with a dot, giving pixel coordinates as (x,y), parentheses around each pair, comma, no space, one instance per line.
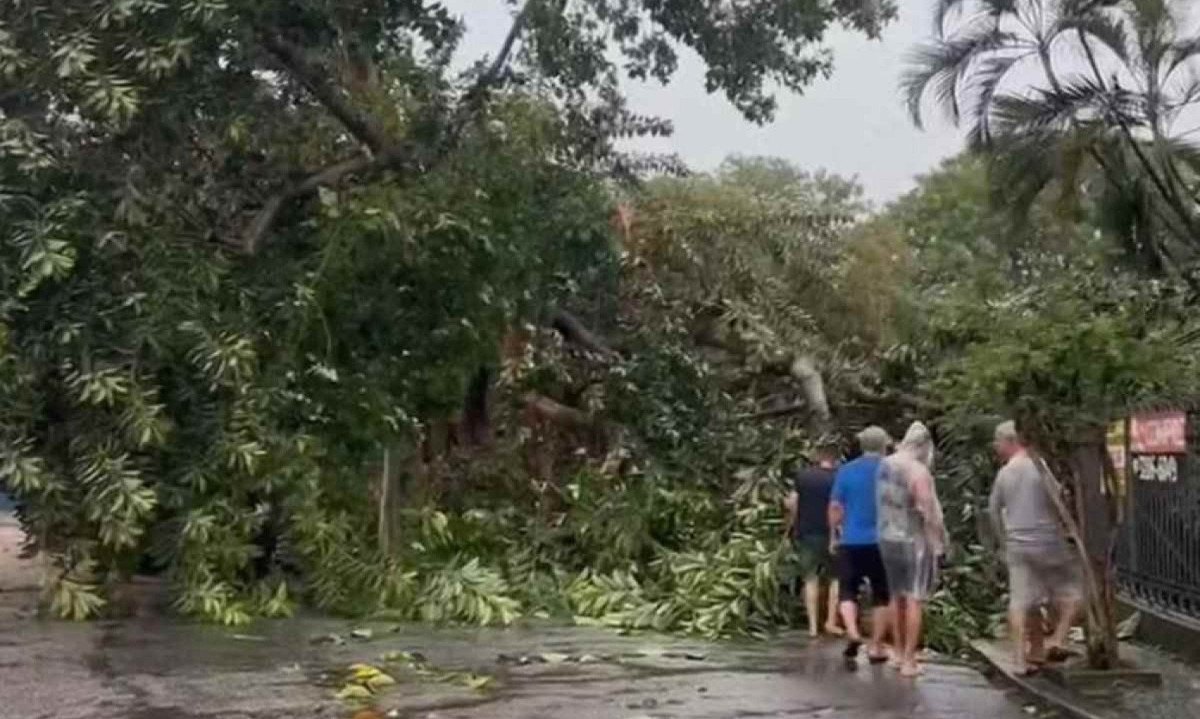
(379,681)
(364,672)
(353,692)
(479,682)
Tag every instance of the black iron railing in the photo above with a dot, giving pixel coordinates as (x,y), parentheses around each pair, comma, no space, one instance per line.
(1158,559)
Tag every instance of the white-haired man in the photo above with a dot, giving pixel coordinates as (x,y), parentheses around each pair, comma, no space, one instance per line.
(1041,564)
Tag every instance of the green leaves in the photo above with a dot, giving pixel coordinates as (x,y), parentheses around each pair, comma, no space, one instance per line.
(469,593)
(169,395)
(74,56)
(598,595)
(1111,122)
(21,470)
(1069,355)
(42,240)
(75,599)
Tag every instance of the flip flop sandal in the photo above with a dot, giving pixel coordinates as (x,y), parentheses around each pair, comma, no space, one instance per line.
(880,659)
(852,648)
(1058,654)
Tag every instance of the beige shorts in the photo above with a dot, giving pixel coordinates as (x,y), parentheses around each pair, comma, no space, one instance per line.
(1042,574)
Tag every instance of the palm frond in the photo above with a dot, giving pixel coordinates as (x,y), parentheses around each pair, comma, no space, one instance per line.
(1020,169)
(941,65)
(1125,213)
(993,9)
(942,9)
(1106,29)
(985,85)
(1026,165)
(1182,152)
(1180,161)
(1154,25)
(1181,53)
(1077,8)
(1079,101)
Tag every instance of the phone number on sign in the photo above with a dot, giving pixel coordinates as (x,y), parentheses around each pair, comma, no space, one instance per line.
(1156,468)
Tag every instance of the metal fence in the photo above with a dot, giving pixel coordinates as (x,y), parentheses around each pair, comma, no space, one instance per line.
(1158,559)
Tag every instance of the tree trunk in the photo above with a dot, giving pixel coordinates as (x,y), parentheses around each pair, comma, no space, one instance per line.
(385,485)
(1103,649)
(804,369)
(476,426)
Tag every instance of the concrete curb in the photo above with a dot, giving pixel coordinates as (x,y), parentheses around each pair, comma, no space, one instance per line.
(1038,688)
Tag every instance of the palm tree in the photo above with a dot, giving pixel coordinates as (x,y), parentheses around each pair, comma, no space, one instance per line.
(1087,97)
(1114,83)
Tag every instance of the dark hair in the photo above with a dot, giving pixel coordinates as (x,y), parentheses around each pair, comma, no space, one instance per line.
(827,449)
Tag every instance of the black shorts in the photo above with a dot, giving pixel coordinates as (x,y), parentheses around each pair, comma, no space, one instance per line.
(859,563)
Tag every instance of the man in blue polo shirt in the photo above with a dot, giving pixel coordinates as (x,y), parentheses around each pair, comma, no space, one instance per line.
(852,514)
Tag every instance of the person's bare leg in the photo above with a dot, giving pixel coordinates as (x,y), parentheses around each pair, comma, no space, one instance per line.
(1067,610)
(812,604)
(1016,624)
(897,611)
(831,624)
(850,620)
(880,625)
(1035,631)
(913,610)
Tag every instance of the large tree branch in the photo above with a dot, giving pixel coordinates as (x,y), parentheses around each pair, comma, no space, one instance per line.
(334,174)
(786,411)
(894,397)
(386,153)
(332,98)
(557,413)
(804,370)
(801,367)
(574,332)
(492,75)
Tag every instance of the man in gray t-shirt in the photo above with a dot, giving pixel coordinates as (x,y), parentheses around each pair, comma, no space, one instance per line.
(1041,565)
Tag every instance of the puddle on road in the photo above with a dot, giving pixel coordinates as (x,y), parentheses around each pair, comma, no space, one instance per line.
(169,668)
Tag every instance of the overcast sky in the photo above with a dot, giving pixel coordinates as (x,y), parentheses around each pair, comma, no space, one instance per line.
(854,123)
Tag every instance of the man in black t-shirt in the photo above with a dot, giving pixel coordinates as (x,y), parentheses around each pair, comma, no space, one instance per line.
(808,527)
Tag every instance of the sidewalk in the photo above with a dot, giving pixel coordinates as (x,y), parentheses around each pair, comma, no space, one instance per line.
(1177,698)
(19,578)
(16,574)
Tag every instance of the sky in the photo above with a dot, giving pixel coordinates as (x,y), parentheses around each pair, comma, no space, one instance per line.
(854,123)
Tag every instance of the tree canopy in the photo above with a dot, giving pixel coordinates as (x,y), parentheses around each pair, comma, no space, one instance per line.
(1109,115)
(250,249)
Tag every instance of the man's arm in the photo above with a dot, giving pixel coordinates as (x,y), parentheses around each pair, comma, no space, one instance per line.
(836,513)
(925,498)
(996,510)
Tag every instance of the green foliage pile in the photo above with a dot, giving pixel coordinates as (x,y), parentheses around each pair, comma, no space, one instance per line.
(248,249)
(632,553)
(245,246)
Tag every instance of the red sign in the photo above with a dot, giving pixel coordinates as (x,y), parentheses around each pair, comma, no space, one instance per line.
(1158,433)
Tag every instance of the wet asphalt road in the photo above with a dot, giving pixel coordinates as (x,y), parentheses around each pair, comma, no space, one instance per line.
(152,667)
(156,669)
